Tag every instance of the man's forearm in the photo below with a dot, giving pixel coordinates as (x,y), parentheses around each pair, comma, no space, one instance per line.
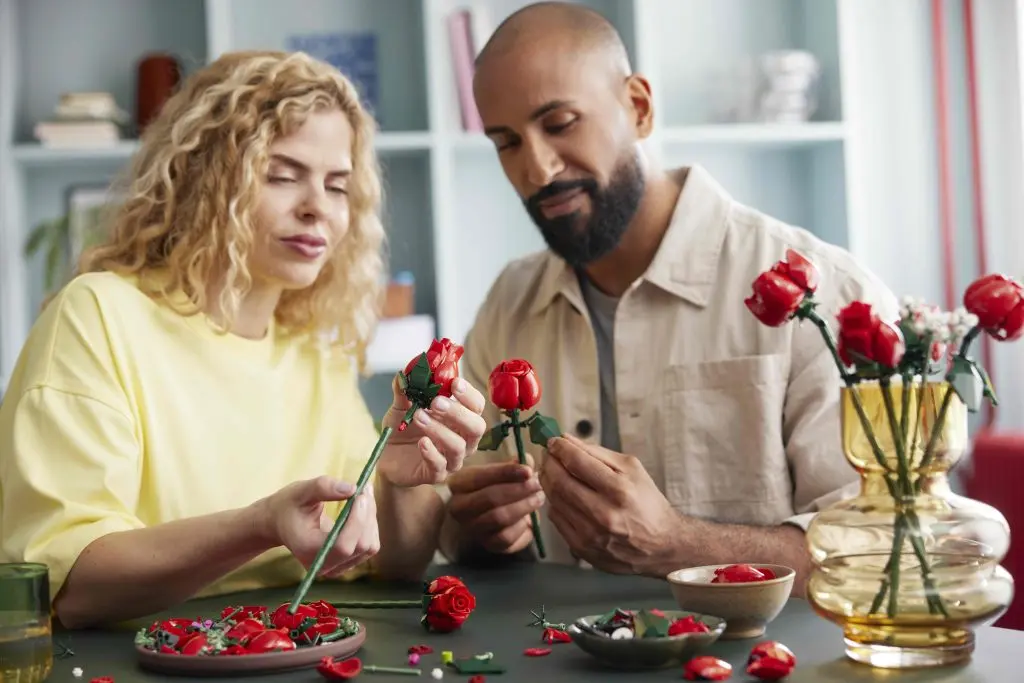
(128,574)
(410,525)
(706,542)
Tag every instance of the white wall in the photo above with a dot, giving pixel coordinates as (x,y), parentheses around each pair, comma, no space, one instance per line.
(999,40)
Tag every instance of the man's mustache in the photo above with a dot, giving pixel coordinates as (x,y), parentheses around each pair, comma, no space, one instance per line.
(557,188)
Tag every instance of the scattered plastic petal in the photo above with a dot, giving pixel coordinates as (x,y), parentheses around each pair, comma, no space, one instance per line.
(420,649)
(623,633)
(414,659)
(770,661)
(77,672)
(447,657)
(707,668)
(478,678)
(103,679)
(437,674)
(687,625)
(742,573)
(334,670)
(554,635)
(537,651)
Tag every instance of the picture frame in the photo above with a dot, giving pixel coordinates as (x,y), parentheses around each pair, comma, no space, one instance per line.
(87,206)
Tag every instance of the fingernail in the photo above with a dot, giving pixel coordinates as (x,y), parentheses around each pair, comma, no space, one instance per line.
(441,404)
(539,498)
(345,488)
(422,417)
(459,385)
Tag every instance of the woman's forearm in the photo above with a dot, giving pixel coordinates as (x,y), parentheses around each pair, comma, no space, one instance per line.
(128,574)
(410,524)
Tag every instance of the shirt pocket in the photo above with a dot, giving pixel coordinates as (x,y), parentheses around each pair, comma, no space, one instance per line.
(719,434)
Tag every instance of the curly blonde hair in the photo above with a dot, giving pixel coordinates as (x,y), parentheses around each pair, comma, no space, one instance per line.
(191,192)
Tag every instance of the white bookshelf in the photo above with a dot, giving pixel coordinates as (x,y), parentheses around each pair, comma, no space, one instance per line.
(452,217)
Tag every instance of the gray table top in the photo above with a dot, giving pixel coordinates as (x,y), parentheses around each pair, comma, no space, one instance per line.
(499,625)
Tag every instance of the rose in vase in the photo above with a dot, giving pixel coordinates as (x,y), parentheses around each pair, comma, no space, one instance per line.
(902,379)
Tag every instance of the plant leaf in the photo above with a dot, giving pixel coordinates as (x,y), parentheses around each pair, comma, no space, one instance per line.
(967,383)
(419,376)
(988,390)
(543,428)
(54,263)
(403,383)
(493,437)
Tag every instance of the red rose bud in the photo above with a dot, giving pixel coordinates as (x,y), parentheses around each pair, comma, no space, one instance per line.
(866,338)
(245,628)
(271,640)
(282,619)
(443,583)
(513,384)
(799,270)
(770,661)
(443,359)
(324,609)
(998,302)
(447,603)
(707,668)
(194,644)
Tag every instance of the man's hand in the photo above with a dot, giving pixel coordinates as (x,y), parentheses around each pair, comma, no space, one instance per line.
(492,504)
(608,510)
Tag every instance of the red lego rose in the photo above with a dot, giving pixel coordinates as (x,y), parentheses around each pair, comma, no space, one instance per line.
(513,385)
(447,603)
(866,338)
(779,292)
(998,302)
(443,359)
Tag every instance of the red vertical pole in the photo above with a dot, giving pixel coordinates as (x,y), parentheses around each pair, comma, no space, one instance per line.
(976,177)
(945,190)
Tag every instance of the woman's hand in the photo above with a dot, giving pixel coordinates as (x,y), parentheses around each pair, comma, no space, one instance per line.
(436,441)
(294,517)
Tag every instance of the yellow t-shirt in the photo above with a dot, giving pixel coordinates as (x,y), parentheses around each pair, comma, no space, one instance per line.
(122,414)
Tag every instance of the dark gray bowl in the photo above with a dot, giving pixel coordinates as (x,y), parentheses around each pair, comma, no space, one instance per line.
(646,653)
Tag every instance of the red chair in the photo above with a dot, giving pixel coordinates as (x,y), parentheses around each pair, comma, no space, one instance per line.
(995,476)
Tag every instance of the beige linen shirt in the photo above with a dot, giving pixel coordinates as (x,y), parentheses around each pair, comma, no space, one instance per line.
(734,421)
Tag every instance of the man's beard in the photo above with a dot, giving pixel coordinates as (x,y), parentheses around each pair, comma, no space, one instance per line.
(612,208)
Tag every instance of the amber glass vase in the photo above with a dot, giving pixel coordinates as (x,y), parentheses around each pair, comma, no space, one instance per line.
(907,568)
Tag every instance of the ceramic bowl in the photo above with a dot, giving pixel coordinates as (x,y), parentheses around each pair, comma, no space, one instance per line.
(646,653)
(746,607)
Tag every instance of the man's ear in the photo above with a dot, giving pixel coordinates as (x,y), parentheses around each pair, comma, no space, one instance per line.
(638,89)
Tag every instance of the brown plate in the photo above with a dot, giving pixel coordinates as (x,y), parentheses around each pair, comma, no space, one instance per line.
(206,665)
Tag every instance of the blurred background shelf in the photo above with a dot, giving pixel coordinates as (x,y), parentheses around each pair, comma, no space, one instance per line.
(859,171)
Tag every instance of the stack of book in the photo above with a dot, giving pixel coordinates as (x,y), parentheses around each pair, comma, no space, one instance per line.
(83,119)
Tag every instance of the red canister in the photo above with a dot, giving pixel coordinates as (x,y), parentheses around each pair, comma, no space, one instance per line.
(158,76)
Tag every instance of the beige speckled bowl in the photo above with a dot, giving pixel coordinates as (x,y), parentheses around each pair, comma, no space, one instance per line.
(746,607)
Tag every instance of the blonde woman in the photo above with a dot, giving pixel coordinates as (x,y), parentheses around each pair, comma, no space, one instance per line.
(185,418)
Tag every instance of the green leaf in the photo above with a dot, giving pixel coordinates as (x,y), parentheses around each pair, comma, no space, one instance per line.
(54,265)
(403,384)
(648,625)
(543,428)
(967,382)
(988,390)
(493,437)
(419,376)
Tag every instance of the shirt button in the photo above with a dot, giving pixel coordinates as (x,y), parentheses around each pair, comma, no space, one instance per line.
(584,428)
